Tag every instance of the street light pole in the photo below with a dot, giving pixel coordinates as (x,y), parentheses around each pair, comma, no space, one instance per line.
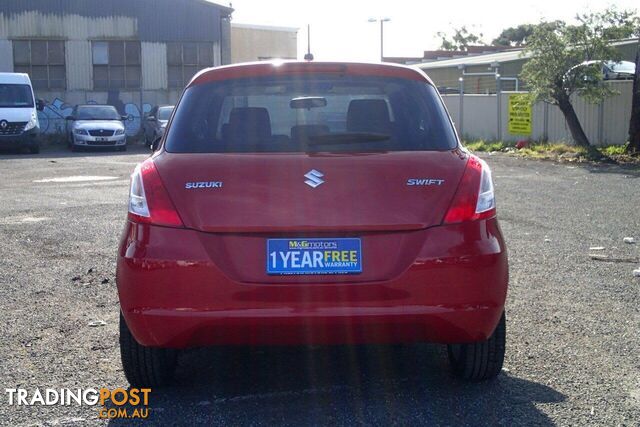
(381,40)
(382,21)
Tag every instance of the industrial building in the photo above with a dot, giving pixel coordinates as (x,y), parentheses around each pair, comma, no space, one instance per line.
(132,54)
(440,55)
(262,43)
(478,72)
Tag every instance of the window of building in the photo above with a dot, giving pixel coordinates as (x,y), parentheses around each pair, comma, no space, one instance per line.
(43,60)
(185,60)
(116,65)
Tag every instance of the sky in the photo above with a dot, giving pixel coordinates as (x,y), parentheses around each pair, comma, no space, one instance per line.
(340,31)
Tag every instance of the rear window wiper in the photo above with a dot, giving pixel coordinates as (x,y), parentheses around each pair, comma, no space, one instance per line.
(347,138)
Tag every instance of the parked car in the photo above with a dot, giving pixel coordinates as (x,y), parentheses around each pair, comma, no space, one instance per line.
(156,122)
(257,222)
(96,126)
(623,70)
(19,126)
(610,70)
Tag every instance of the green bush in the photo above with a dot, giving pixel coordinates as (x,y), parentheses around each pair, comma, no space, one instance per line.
(553,150)
(487,146)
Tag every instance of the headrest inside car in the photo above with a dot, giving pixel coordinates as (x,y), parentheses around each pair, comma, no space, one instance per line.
(368,115)
(249,123)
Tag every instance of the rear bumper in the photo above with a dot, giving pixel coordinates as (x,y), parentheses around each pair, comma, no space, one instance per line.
(24,140)
(173,295)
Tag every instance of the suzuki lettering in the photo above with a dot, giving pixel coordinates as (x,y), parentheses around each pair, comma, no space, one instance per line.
(202,184)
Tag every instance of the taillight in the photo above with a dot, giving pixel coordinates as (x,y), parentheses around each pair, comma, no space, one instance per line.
(474,198)
(149,201)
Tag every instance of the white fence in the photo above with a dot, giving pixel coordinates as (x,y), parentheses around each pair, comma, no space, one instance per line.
(605,123)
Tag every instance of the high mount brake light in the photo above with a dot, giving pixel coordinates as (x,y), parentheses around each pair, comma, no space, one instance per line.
(149,202)
(474,198)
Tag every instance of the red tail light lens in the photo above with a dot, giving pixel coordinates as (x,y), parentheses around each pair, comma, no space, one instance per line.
(474,198)
(149,201)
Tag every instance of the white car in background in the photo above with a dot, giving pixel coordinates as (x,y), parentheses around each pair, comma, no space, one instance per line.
(19,126)
(96,126)
(623,70)
(610,70)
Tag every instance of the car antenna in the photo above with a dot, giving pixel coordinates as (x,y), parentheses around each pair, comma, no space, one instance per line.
(308,56)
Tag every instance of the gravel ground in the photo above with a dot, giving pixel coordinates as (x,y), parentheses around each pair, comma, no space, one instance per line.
(573,322)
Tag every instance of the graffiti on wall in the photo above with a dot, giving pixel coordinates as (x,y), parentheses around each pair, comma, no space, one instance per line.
(53,118)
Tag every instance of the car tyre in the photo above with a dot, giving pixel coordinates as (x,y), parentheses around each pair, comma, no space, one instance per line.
(482,360)
(145,366)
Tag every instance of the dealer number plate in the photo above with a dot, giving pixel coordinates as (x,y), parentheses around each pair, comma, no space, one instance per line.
(314,256)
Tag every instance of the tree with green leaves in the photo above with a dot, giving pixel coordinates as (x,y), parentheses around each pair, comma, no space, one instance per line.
(567,60)
(518,36)
(461,39)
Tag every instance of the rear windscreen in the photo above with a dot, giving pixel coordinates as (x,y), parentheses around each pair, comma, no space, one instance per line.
(336,113)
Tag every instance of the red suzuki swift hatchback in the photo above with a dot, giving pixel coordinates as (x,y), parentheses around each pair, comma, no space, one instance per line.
(311,203)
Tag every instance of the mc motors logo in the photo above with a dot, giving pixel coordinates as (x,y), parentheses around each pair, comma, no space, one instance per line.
(311,244)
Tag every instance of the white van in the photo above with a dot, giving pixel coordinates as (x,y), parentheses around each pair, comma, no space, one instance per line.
(19,125)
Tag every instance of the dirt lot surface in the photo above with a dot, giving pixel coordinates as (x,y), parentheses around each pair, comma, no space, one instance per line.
(573,322)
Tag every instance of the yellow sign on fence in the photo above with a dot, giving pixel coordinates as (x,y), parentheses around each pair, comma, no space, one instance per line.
(520,114)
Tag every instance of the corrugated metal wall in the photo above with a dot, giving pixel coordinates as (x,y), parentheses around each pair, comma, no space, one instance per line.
(225,41)
(615,123)
(35,24)
(78,64)
(604,124)
(157,20)
(6,56)
(154,69)
(217,55)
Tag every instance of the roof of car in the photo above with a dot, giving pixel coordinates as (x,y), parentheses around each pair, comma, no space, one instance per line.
(270,68)
(14,78)
(605,62)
